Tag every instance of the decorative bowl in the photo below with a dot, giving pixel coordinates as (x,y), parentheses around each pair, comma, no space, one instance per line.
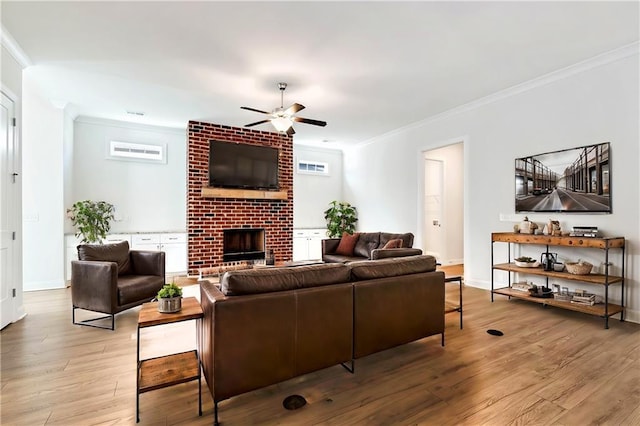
(527,264)
(579,268)
(543,292)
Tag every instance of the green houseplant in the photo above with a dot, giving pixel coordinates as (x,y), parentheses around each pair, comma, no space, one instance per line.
(170,298)
(341,217)
(92,220)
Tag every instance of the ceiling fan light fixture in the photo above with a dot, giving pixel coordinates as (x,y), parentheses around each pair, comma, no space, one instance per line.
(282,124)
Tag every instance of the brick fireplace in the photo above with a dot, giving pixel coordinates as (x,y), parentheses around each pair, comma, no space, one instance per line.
(209,216)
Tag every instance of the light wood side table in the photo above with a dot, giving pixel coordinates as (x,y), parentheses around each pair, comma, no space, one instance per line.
(168,370)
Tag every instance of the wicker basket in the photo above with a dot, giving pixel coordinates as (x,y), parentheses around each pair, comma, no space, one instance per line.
(578,268)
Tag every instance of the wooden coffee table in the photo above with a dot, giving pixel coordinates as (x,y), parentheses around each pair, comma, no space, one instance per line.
(168,370)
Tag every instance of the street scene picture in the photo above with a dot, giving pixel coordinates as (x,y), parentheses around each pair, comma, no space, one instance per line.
(570,180)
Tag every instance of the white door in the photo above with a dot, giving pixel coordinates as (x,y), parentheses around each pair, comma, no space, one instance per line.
(7,211)
(434,243)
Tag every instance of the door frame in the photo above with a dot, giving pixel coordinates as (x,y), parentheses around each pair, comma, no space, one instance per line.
(422,152)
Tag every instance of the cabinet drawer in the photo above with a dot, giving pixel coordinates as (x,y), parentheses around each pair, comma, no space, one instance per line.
(116,238)
(138,239)
(173,238)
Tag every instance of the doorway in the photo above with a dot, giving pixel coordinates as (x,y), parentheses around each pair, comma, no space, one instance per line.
(443,204)
(8,199)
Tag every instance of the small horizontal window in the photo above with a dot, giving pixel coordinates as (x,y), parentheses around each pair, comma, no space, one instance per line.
(136,151)
(312,167)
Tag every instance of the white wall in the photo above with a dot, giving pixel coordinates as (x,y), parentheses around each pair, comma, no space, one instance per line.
(148,197)
(42,185)
(312,193)
(590,103)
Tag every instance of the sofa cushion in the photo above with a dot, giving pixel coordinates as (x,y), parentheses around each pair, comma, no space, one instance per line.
(266,280)
(347,243)
(392,267)
(407,238)
(394,243)
(366,242)
(118,252)
(137,288)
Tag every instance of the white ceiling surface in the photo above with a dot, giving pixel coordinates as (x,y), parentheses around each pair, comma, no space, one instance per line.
(367,68)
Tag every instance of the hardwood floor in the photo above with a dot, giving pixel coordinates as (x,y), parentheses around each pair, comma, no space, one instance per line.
(551,367)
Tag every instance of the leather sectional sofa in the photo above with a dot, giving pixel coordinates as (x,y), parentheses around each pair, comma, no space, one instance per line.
(369,246)
(267,325)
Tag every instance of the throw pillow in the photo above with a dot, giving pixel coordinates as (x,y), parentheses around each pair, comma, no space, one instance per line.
(394,243)
(118,252)
(347,243)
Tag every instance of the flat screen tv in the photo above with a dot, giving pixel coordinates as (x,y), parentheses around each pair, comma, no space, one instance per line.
(575,180)
(236,165)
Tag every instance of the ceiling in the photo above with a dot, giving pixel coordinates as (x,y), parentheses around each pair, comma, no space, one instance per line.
(367,68)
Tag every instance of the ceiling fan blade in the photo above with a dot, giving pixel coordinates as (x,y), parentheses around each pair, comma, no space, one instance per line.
(290,131)
(255,110)
(309,121)
(256,123)
(293,109)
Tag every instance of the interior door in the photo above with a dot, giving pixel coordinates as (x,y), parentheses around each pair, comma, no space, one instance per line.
(8,197)
(433,208)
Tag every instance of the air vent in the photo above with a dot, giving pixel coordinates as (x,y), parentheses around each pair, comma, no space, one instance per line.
(135,151)
(312,168)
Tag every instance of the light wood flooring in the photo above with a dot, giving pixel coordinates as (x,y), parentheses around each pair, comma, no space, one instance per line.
(551,367)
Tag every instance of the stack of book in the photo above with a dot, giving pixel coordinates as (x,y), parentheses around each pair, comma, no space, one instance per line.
(522,286)
(584,231)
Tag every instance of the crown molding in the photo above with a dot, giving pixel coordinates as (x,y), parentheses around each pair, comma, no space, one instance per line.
(577,68)
(14,48)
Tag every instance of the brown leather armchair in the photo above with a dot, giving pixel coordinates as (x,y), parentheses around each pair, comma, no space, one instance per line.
(110,278)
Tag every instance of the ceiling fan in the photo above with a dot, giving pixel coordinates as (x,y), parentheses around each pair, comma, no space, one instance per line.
(282,119)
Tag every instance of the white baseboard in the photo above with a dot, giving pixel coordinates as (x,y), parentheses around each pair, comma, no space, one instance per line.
(44,285)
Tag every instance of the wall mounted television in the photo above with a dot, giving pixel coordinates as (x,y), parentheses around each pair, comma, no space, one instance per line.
(237,165)
(575,180)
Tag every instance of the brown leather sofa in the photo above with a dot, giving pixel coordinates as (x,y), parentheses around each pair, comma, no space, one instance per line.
(110,278)
(369,246)
(268,325)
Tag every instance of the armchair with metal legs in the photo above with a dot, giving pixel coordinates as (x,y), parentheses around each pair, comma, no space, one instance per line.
(110,278)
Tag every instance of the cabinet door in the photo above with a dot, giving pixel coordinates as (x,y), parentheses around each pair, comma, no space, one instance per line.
(315,243)
(300,248)
(71,253)
(174,247)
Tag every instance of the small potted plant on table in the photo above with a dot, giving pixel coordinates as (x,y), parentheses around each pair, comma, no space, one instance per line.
(170,298)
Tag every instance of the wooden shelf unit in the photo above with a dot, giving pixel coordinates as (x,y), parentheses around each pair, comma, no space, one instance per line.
(603,310)
(211,192)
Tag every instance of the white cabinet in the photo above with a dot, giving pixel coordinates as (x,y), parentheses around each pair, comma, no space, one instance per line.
(174,245)
(307,243)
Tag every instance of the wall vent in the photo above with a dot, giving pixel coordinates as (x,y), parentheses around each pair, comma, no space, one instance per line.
(312,167)
(137,152)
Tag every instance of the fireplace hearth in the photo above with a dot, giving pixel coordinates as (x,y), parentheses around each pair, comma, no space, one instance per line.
(243,244)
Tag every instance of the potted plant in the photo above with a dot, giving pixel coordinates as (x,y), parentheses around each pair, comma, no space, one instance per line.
(170,298)
(341,217)
(92,220)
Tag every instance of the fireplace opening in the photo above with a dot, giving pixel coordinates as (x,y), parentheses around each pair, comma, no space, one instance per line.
(243,244)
